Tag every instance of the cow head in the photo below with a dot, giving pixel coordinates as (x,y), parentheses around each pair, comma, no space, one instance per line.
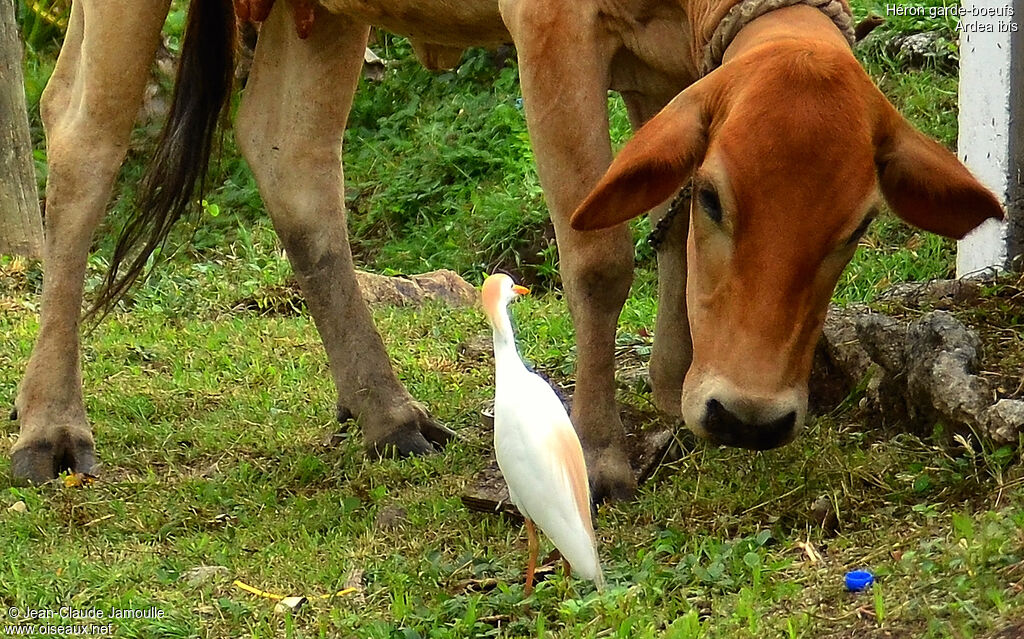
(790,155)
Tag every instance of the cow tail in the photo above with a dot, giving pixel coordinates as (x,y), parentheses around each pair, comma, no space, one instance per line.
(177,172)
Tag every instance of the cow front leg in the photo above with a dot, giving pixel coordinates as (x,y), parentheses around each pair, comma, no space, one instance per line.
(673,347)
(88,109)
(290,128)
(564,76)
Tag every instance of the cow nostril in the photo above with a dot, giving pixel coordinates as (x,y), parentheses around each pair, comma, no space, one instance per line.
(719,419)
(715,410)
(724,427)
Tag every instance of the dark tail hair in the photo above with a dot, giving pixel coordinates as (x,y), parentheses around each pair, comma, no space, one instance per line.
(179,165)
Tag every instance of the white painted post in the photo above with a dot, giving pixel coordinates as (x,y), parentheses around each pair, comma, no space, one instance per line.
(991,141)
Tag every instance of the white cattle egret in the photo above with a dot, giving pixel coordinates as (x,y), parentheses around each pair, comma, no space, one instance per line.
(537,448)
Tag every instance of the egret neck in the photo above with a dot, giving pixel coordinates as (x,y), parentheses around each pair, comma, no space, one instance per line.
(495,301)
(506,355)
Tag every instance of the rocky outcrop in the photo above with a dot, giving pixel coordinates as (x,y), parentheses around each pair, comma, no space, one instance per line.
(444,286)
(916,373)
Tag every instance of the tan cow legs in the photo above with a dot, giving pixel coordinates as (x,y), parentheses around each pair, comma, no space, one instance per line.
(569,132)
(290,129)
(88,110)
(673,348)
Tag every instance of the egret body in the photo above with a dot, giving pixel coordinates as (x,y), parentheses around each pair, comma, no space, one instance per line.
(537,448)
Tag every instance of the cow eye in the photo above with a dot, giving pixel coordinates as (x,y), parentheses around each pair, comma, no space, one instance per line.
(708,199)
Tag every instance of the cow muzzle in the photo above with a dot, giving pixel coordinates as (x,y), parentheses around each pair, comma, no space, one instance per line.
(724,415)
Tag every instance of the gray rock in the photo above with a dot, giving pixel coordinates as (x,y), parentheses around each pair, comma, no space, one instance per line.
(442,285)
(204,574)
(884,339)
(1005,420)
(939,294)
(939,331)
(842,345)
(854,337)
(917,49)
(915,375)
(289,605)
(943,359)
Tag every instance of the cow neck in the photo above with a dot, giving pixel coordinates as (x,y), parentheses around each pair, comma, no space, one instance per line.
(747,11)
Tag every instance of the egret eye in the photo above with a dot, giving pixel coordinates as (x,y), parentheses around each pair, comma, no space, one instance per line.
(709,202)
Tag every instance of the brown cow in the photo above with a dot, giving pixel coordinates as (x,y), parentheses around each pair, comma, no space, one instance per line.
(790,145)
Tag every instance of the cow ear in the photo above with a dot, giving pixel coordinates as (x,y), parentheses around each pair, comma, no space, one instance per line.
(927,186)
(651,167)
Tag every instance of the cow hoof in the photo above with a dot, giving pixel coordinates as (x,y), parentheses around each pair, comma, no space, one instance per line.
(344,414)
(40,461)
(420,435)
(611,476)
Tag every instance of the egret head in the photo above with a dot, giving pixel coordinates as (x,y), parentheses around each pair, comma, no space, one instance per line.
(498,290)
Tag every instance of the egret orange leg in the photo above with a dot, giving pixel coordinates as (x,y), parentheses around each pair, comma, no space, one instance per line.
(566,568)
(531,564)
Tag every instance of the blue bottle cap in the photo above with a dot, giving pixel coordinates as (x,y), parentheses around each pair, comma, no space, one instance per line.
(857,580)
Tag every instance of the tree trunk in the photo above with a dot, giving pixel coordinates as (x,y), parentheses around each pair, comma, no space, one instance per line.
(21,228)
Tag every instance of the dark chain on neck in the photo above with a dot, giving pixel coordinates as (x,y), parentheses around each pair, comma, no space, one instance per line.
(657,235)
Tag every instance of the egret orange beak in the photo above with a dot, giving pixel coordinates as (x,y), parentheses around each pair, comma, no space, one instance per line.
(520,290)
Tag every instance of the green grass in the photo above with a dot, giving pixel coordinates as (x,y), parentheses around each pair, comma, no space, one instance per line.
(219,447)
(217,434)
